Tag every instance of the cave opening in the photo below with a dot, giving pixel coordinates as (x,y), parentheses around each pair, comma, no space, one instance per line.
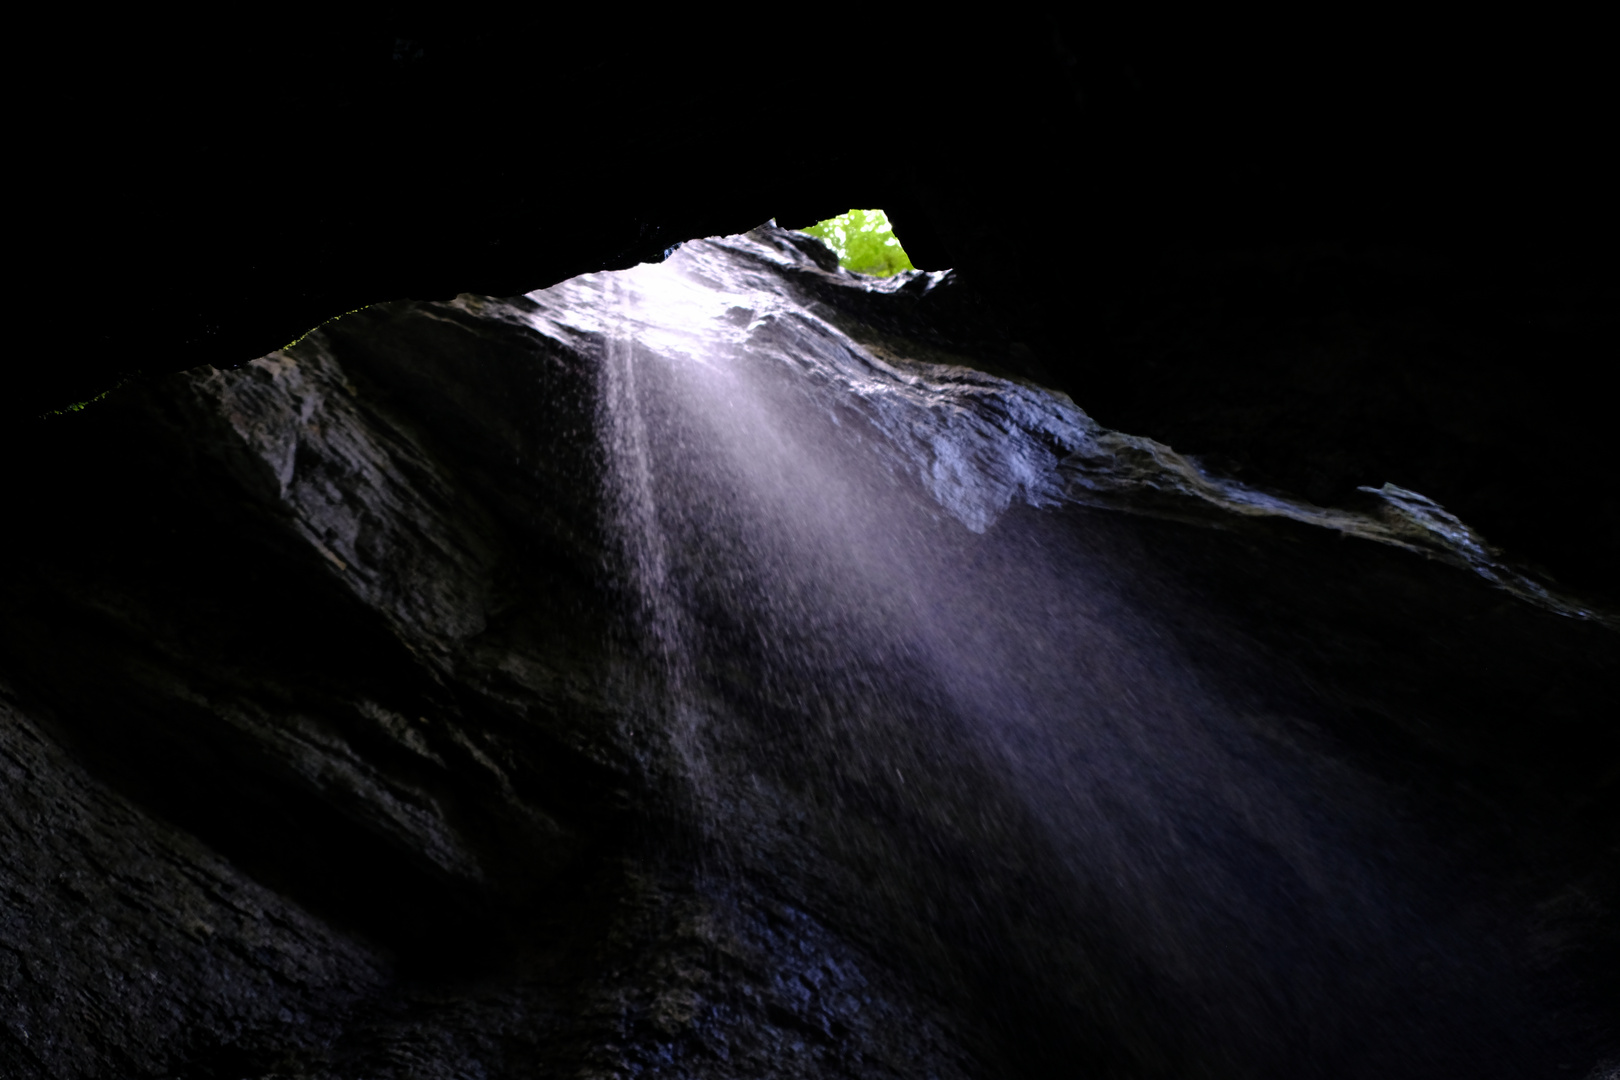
(864,242)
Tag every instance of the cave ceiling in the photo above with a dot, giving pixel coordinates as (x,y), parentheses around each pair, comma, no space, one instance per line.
(1327,254)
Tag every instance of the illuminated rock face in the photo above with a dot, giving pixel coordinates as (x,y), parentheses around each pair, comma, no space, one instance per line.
(711,669)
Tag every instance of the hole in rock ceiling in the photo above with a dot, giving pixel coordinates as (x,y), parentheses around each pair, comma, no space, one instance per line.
(864,242)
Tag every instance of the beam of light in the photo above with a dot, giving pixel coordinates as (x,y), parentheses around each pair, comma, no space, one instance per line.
(881,635)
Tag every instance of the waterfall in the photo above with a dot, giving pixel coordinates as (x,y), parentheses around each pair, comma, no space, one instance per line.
(636,519)
(883,633)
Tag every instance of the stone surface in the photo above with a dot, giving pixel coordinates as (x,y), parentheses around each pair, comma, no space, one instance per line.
(333,746)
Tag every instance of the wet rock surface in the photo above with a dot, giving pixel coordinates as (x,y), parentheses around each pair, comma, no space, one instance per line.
(334,745)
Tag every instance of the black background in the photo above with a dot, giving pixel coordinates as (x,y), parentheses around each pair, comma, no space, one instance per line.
(1326,251)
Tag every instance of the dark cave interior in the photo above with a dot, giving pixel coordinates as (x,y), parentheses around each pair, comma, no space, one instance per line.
(1316,256)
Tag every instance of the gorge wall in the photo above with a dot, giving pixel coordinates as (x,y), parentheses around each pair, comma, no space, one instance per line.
(710,669)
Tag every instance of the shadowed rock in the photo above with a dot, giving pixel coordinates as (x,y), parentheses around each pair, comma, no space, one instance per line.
(712,669)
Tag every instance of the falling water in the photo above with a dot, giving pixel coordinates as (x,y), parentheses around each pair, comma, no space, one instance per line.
(635,512)
(900,667)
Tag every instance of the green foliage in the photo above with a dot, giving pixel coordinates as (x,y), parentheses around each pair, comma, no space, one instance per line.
(864,241)
(80,406)
(312,329)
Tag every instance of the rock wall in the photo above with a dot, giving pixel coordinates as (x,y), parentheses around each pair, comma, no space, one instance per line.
(332,747)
